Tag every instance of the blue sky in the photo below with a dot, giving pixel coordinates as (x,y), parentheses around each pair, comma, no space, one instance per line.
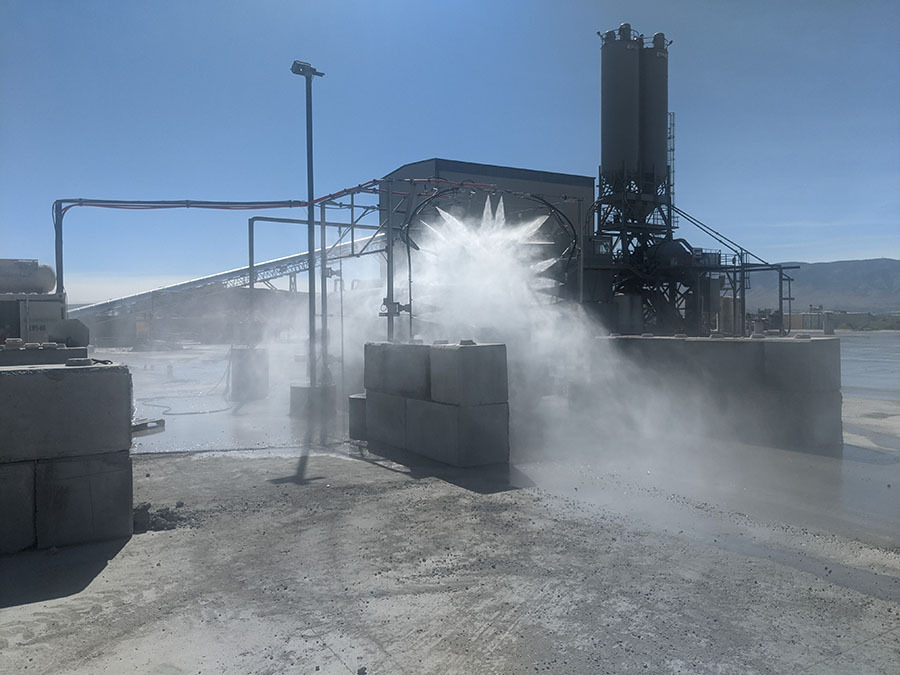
(788,132)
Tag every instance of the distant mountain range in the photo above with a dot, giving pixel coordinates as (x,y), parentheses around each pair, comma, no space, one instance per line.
(848,285)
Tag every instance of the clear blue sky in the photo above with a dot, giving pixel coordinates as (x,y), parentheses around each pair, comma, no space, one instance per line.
(788,130)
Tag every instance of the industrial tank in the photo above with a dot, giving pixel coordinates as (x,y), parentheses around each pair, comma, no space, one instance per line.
(620,104)
(25,276)
(654,109)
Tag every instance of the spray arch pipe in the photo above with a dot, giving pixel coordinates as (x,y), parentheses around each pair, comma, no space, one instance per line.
(562,220)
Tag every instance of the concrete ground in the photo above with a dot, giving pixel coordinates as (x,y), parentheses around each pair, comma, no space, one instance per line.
(295,550)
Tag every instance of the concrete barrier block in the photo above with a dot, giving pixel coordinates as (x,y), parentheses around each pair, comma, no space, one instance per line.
(407,370)
(45,355)
(469,375)
(727,362)
(373,368)
(386,419)
(459,435)
(356,413)
(57,411)
(83,499)
(807,421)
(16,506)
(803,365)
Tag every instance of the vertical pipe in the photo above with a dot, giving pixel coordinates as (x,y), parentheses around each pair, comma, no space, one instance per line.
(389,232)
(743,295)
(323,260)
(310,235)
(341,267)
(57,226)
(250,254)
(252,274)
(581,239)
(352,224)
(781,300)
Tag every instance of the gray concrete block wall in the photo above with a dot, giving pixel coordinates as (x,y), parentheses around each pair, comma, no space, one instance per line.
(399,369)
(803,365)
(459,435)
(65,467)
(58,411)
(469,374)
(83,499)
(778,391)
(386,419)
(445,402)
(16,506)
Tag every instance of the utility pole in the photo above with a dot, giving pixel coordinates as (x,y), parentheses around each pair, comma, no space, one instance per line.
(307,71)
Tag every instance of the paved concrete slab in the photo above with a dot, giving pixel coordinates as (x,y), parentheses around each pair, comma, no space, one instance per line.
(458,435)
(83,499)
(469,374)
(16,506)
(59,411)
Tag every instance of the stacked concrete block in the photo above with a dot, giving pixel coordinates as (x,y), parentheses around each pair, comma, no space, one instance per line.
(779,391)
(65,437)
(803,384)
(445,402)
(386,418)
(16,506)
(459,435)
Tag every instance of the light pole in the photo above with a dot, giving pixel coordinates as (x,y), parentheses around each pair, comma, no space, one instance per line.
(307,71)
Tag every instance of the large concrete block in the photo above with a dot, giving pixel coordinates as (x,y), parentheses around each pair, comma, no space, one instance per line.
(16,506)
(812,365)
(373,366)
(469,374)
(386,419)
(725,363)
(83,499)
(407,370)
(356,416)
(807,421)
(458,435)
(399,369)
(57,411)
(48,354)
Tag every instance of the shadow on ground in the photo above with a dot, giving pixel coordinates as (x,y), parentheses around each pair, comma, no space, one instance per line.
(35,576)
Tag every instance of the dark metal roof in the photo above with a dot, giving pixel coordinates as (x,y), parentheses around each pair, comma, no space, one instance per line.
(438,166)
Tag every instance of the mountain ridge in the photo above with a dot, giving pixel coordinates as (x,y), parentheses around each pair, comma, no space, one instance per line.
(871,285)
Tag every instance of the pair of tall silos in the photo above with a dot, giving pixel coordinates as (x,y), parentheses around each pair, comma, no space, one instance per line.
(634,111)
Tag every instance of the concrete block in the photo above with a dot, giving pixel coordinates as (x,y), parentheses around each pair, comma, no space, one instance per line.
(16,506)
(386,419)
(56,411)
(373,367)
(807,421)
(356,412)
(83,499)
(44,355)
(469,374)
(459,435)
(803,365)
(399,369)
(725,363)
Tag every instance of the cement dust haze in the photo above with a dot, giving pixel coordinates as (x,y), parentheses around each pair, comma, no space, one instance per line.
(497,281)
